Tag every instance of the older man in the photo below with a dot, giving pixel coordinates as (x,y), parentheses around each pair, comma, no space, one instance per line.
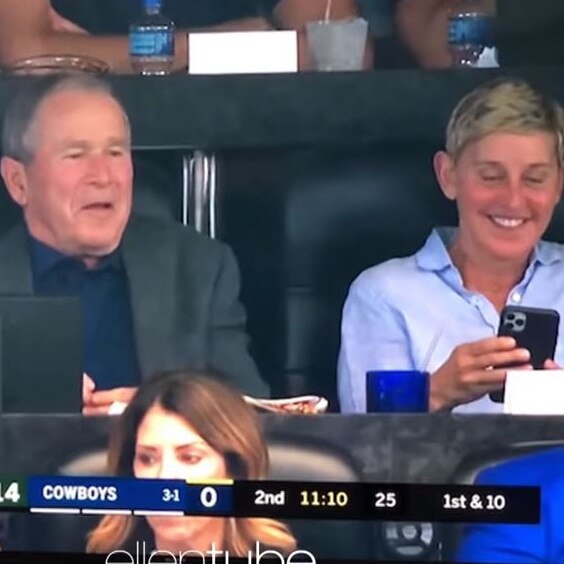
(155,295)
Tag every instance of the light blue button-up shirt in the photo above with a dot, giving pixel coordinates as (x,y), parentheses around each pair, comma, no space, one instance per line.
(397,310)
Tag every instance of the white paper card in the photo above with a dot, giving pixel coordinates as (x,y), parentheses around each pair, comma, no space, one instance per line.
(238,52)
(534,392)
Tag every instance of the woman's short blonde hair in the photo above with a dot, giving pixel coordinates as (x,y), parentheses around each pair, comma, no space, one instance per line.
(505,105)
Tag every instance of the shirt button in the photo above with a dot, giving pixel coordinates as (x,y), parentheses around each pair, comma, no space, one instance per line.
(516,297)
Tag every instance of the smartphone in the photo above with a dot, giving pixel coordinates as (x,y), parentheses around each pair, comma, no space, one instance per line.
(534,329)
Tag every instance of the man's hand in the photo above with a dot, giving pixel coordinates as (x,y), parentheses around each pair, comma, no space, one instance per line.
(58,23)
(99,403)
(88,387)
(469,374)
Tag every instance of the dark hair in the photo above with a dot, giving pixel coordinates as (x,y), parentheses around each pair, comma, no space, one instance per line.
(220,415)
(217,412)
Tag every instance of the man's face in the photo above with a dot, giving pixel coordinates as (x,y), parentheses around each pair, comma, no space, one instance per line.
(76,190)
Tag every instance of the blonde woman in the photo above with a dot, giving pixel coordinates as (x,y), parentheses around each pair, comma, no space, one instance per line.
(187,426)
(439,309)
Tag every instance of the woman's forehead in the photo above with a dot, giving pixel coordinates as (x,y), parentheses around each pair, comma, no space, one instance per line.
(160,425)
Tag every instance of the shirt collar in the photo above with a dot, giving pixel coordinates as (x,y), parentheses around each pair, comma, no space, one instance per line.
(546,253)
(434,254)
(44,258)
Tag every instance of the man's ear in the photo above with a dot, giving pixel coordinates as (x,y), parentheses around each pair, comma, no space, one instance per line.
(15,178)
(444,171)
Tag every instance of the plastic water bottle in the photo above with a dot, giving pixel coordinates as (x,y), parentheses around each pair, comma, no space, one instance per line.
(471,34)
(151,41)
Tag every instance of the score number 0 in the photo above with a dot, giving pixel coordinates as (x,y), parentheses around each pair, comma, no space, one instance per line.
(208,495)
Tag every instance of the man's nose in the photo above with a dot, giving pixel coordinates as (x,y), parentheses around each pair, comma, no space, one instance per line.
(100,169)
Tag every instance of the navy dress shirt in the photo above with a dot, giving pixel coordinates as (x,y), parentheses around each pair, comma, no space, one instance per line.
(110,354)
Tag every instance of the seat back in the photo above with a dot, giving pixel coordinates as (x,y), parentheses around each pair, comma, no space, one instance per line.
(296,459)
(477,462)
(304,224)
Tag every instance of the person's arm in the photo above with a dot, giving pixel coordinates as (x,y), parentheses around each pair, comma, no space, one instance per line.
(228,340)
(422,26)
(294,14)
(492,543)
(58,23)
(373,337)
(29,28)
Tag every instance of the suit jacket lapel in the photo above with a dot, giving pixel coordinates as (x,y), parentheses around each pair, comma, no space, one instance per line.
(149,263)
(15,263)
(148,255)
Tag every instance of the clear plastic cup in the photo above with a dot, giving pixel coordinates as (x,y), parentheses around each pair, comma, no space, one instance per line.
(337,45)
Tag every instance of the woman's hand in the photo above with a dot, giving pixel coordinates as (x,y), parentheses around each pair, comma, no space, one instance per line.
(549,364)
(469,372)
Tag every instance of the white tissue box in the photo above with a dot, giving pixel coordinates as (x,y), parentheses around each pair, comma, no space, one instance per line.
(242,52)
(534,392)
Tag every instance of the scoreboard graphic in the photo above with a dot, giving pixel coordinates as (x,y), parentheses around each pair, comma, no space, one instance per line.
(285,500)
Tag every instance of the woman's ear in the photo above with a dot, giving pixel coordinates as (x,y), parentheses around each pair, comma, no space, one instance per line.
(444,171)
(15,179)
(560,182)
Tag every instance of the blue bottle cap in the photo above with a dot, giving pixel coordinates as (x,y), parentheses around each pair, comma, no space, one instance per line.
(153,4)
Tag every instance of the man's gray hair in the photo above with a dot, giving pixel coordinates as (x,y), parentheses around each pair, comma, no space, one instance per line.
(506,105)
(18,140)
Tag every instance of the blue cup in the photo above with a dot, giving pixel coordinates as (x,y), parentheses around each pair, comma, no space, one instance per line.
(397,391)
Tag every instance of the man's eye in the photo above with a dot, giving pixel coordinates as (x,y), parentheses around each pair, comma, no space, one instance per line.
(491,178)
(73,156)
(534,180)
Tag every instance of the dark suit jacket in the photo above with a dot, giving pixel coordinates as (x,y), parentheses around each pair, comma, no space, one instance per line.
(184,290)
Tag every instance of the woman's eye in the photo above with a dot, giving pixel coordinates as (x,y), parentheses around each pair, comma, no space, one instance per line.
(145,459)
(191,458)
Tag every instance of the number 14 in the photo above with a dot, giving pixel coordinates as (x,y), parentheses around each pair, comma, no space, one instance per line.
(11,493)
